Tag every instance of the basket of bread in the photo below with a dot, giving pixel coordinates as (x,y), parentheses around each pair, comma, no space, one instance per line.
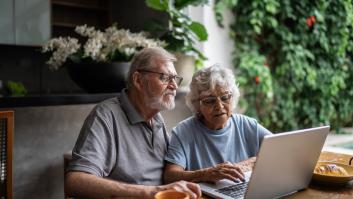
(333,173)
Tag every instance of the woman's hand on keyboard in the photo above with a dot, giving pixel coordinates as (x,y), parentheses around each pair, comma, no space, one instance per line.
(226,170)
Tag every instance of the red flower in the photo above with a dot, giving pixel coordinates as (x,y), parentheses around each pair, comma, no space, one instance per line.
(313,19)
(310,21)
(257,79)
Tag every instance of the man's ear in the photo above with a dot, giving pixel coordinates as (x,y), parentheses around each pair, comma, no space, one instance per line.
(137,80)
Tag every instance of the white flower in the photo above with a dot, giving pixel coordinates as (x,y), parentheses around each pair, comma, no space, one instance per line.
(62,48)
(85,31)
(111,45)
(94,45)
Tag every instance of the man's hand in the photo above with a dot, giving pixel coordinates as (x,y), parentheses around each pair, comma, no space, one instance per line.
(224,170)
(192,189)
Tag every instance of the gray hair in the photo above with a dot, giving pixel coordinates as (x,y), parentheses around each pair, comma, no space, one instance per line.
(207,79)
(148,58)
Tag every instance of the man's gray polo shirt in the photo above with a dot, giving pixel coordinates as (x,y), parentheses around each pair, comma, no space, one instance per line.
(116,143)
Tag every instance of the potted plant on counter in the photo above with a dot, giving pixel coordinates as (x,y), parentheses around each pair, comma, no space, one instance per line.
(99,65)
(181,34)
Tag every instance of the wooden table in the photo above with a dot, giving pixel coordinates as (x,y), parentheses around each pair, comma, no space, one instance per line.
(326,192)
(317,191)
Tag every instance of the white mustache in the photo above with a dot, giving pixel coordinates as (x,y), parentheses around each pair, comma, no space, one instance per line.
(170,92)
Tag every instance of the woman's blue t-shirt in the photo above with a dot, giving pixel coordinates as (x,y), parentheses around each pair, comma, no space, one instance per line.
(193,146)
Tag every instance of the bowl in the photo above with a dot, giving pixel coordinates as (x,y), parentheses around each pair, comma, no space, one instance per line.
(334,180)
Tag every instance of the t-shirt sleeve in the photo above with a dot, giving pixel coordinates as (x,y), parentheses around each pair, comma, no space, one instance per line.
(94,151)
(262,132)
(254,133)
(176,151)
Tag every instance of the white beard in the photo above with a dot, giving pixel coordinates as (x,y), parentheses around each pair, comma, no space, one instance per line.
(157,102)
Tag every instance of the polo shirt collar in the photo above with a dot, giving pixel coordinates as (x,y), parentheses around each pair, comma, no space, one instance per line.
(131,113)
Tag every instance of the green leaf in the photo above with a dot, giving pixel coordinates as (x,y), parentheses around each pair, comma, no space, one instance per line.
(154,26)
(199,30)
(16,88)
(257,29)
(180,4)
(271,8)
(273,22)
(161,5)
(218,9)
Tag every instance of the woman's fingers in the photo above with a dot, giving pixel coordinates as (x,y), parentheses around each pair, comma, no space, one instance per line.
(234,173)
(228,171)
(224,170)
(230,177)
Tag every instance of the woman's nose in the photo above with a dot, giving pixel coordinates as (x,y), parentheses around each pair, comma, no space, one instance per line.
(218,104)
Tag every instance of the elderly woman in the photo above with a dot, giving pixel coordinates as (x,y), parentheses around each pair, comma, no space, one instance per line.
(215,143)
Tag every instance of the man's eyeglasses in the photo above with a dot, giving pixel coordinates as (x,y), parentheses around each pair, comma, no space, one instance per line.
(165,78)
(211,101)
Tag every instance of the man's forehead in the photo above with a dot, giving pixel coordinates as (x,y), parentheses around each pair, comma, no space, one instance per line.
(166,67)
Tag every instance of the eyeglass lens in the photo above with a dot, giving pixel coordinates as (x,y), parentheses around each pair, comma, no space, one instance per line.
(211,101)
(165,78)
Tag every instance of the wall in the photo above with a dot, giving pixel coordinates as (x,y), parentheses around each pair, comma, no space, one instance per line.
(123,15)
(219,46)
(180,112)
(43,135)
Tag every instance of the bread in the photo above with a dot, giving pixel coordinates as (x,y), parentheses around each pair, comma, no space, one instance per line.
(331,170)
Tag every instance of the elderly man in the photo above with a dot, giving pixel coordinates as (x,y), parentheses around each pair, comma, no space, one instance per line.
(119,152)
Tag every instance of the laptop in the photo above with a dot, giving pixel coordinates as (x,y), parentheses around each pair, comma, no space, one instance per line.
(285,164)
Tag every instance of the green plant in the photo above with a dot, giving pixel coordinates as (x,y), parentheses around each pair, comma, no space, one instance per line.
(182,32)
(16,89)
(301,51)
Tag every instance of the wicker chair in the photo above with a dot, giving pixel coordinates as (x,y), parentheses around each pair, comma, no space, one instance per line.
(6,151)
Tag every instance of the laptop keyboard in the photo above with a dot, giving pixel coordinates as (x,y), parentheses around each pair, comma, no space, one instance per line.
(234,191)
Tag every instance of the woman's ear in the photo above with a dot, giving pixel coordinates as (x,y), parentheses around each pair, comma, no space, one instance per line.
(199,114)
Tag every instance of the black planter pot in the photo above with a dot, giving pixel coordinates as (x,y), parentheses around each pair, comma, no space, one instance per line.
(99,77)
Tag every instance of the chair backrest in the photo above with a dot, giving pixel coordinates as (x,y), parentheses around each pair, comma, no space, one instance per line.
(6,151)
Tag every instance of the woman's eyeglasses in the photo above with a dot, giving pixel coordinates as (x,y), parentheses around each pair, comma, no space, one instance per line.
(211,101)
(165,78)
